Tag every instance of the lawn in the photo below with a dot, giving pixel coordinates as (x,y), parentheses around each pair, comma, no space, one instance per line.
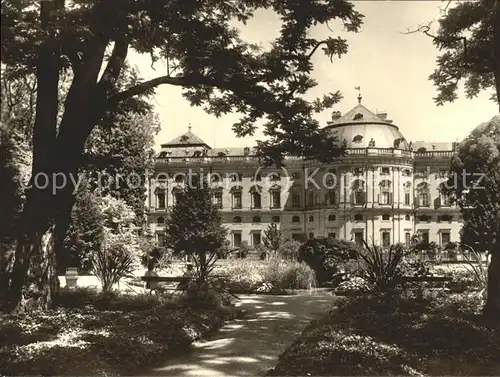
(105,334)
(436,334)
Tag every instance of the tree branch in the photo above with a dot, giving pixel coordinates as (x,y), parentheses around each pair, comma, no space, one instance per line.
(114,65)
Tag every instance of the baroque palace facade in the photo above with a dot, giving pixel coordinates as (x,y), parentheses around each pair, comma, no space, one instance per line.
(384,190)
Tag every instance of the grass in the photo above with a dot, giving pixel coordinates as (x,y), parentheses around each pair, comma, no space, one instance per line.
(397,335)
(103,334)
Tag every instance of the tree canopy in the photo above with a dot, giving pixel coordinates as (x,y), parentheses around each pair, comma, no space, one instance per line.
(467,35)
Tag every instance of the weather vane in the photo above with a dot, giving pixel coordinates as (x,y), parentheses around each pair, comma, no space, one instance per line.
(358,88)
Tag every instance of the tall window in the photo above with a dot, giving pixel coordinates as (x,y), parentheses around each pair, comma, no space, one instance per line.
(161,239)
(358,238)
(407,192)
(275,199)
(407,238)
(160,199)
(295,199)
(256,199)
(425,237)
(385,193)
(236,239)
(256,239)
(218,199)
(358,192)
(386,239)
(311,219)
(331,198)
(444,200)
(423,198)
(237,203)
(310,198)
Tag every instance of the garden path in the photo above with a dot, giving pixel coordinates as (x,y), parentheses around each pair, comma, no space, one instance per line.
(250,346)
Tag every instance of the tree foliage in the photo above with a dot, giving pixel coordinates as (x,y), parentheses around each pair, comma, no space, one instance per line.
(272,238)
(475,186)
(467,36)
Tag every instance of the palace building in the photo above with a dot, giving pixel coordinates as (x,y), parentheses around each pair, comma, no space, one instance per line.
(384,190)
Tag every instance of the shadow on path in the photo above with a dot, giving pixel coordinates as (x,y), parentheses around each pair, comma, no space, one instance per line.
(250,346)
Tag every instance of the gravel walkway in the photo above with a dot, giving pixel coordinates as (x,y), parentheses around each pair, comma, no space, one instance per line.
(251,346)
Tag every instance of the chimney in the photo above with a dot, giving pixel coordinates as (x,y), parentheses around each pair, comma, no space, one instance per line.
(336,115)
(382,116)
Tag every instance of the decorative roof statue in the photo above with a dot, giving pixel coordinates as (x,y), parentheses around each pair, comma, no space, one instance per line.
(371,143)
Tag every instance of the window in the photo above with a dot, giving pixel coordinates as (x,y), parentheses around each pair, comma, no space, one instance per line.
(256,200)
(358,238)
(332,218)
(311,235)
(445,238)
(407,217)
(386,239)
(385,193)
(160,220)
(276,219)
(311,219)
(256,239)
(237,203)
(275,199)
(295,199)
(406,173)
(295,175)
(423,195)
(408,238)
(310,198)
(447,218)
(358,217)
(215,177)
(160,200)
(179,178)
(256,219)
(444,200)
(237,219)
(295,219)
(407,198)
(236,239)
(359,194)
(358,171)
(424,219)
(331,197)
(425,237)
(218,199)
(332,235)
(357,138)
(385,171)
(161,239)
(386,217)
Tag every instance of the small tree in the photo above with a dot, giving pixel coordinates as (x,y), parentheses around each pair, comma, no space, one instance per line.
(272,238)
(195,226)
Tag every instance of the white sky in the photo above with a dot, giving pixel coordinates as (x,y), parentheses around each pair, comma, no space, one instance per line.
(392,69)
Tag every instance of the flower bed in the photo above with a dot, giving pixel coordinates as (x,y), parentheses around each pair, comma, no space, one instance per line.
(398,335)
(102,335)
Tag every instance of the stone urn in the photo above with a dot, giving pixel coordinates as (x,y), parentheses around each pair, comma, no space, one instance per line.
(71,277)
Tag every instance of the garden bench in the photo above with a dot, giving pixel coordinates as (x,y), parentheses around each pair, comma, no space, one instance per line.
(184,280)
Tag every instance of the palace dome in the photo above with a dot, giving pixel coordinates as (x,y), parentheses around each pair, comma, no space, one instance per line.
(361,128)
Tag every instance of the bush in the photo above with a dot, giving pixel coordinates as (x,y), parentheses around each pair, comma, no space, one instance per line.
(353,286)
(290,250)
(326,257)
(297,276)
(244,250)
(114,262)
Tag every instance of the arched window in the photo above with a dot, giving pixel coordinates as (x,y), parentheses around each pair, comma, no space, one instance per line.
(160,199)
(237,219)
(332,218)
(358,217)
(358,192)
(160,220)
(385,192)
(407,217)
(423,197)
(295,199)
(386,217)
(275,194)
(256,219)
(295,219)
(256,197)
(276,219)
(311,219)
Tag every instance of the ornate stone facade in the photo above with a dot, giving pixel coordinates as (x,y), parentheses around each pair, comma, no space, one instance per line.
(384,190)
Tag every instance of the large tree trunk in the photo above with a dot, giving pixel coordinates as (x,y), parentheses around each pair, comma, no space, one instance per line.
(492,307)
(496,42)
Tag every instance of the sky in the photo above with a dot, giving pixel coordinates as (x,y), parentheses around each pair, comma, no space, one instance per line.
(391,67)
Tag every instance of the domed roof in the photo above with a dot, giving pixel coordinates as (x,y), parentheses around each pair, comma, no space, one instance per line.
(361,128)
